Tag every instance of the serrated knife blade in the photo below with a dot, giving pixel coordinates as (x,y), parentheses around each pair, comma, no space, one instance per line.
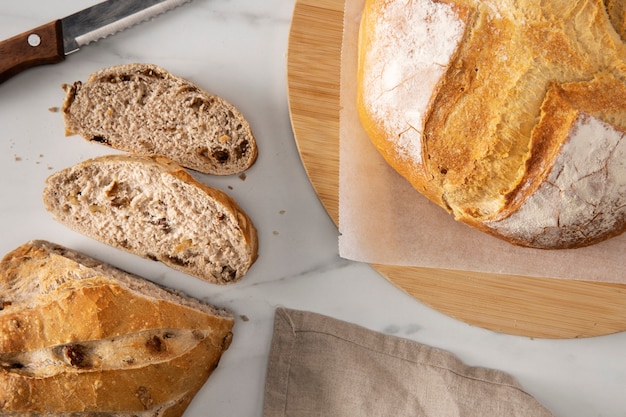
(51,42)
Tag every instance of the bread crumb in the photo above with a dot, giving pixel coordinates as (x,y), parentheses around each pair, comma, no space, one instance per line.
(53,109)
(282,212)
(244,317)
(17,158)
(243,176)
(275,232)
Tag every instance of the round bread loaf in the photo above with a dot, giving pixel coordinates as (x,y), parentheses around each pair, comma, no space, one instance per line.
(510,115)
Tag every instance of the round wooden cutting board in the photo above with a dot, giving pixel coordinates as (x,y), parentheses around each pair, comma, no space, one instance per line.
(547,308)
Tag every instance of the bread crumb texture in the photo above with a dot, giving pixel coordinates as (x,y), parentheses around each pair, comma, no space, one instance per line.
(509,114)
(143,109)
(153,208)
(80,336)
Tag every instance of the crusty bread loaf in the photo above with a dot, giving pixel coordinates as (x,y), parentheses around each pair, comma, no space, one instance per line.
(152,207)
(79,336)
(509,114)
(143,109)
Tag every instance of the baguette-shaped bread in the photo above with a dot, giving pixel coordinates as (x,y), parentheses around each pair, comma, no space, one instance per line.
(508,114)
(143,109)
(79,336)
(152,207)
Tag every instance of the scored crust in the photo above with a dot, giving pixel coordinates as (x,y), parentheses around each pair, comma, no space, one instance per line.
(152,207)
(80,336)
(482,105)
(143,109)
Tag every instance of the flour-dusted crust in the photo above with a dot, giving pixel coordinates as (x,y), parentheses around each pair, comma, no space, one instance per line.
(80,336)
(152,207)
(143,109)
(508,114)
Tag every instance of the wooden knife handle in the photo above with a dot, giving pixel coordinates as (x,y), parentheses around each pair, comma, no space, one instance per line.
(39,46)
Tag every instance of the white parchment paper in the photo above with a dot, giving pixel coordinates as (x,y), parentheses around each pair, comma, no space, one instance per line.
(383,220)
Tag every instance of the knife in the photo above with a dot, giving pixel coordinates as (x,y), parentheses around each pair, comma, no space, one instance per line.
(51,42)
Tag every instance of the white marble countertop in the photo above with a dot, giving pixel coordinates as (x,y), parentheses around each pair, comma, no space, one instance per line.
(237,49)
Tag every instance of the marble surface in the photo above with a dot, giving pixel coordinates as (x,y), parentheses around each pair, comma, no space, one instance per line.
(237,49)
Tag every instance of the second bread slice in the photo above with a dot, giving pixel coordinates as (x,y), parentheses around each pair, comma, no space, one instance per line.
(152,207)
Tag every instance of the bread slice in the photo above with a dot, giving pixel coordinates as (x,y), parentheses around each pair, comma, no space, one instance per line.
(509,115)
(152,207)
(80,336)
(143,109)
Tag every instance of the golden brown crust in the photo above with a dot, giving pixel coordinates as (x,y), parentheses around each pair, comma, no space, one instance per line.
(506,88)
(109,348)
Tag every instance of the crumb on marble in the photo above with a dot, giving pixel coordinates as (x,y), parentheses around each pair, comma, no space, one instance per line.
(244,317)
(243,176)
(53,109)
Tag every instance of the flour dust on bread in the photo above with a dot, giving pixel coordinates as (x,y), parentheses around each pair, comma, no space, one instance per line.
(80,337)
(143,109)
(508,114)
(152,207)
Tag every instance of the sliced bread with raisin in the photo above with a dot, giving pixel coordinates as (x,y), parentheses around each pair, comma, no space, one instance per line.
(152,207)
(143,109)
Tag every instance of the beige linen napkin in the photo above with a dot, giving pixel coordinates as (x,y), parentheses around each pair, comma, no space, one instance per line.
(320,366)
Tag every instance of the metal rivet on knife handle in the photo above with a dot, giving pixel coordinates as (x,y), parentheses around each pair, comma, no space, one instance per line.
(34,39)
